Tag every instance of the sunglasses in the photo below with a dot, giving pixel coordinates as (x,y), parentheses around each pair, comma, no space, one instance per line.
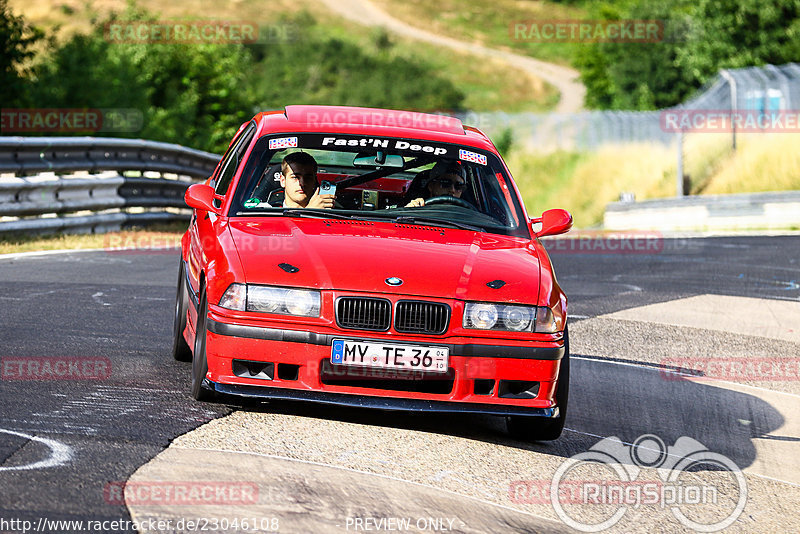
(447,184)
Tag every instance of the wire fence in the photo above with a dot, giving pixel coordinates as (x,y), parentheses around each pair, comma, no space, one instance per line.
(753,92)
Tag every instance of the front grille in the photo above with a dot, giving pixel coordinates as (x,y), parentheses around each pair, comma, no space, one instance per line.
(364,313)
(415,317)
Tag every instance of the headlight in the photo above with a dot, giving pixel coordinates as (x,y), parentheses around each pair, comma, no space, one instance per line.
(266,299)
(518,318)
(302,302)
(488,316)
(478,315)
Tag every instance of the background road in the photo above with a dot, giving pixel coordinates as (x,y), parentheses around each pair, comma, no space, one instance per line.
(118,306)
(565,79)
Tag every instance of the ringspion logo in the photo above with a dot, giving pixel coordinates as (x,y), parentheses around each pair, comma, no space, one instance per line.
(611,477)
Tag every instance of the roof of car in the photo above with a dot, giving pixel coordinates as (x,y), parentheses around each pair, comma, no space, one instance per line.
(371,121)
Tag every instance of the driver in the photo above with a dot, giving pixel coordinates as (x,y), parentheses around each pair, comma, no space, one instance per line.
(299,181)
(447,178)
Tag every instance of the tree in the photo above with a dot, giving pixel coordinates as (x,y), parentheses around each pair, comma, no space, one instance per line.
(741,33)
(191,94)
(641,76)
(700,39)
(16,40)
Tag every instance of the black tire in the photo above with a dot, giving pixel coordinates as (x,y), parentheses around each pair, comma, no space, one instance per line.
(536,428)
(199,361)
(180,349)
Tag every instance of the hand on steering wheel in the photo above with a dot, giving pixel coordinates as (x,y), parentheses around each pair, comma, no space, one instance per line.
(447,199)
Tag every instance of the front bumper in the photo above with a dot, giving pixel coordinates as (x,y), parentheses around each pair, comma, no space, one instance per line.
(472,368)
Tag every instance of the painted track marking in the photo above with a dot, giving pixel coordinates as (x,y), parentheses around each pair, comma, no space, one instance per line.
(60,453)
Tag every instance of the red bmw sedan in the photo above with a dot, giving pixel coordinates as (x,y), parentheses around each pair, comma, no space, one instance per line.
(372,258)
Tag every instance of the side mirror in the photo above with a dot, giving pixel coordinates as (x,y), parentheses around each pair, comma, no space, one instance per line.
(554,222)
(201,197)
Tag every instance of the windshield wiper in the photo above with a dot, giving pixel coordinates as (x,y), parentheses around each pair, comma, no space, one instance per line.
(318,213)
(438,222)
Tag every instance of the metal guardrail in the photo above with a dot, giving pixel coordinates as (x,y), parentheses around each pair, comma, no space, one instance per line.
(31,203)
(747,211)
(26,155)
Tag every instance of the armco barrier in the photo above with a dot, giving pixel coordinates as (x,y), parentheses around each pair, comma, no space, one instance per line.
(32,203)
(751,211)
(28,155)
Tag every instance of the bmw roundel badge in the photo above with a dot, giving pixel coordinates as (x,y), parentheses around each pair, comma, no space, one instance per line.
(393,281)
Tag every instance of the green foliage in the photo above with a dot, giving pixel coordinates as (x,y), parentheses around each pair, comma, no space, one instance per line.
(318,69)
(16,39)
(639,76)
(699,39)
(198,94)
(741,33)
(193,95)
(504,141)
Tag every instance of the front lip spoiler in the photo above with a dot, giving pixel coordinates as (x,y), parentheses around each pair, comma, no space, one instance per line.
(378,403)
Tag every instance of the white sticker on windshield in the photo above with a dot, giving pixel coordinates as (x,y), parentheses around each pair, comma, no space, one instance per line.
(474,157)
(282,142)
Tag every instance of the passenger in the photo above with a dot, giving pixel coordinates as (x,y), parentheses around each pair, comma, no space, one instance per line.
(446,178)
(300,185)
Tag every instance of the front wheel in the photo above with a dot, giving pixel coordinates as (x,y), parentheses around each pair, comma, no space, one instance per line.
(199,361)
(180,349)
(536,428)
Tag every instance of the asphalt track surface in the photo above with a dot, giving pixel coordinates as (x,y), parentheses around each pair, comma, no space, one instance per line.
(62,442)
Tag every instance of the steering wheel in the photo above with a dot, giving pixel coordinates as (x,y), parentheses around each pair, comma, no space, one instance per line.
(447,199)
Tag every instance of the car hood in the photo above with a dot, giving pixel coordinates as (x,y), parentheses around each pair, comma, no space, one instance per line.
(360,255)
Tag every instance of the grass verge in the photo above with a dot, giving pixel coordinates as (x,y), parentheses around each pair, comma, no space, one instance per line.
(585,182)
(490,23)
(157,238)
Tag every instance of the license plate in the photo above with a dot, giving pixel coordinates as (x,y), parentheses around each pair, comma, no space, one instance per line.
(388,355)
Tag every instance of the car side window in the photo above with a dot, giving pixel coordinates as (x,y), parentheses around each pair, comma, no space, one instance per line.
(233,159)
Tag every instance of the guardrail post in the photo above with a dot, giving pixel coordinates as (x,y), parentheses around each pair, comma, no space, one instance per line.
(679,179)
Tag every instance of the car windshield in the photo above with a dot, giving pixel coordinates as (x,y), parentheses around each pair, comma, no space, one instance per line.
(403,180)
